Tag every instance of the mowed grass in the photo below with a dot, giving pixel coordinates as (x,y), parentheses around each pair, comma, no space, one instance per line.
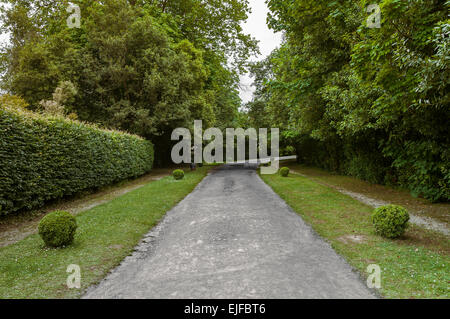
(414,266)
(395,195)
(106,234)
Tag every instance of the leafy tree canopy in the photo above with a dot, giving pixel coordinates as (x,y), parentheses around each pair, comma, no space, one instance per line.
(370,102)
(142,66)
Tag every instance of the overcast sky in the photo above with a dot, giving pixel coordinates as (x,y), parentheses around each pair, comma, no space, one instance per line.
(4,38)
(268,40)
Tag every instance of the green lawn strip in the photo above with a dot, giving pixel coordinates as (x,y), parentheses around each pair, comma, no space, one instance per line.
(106,234)
(390,194)
(410,269)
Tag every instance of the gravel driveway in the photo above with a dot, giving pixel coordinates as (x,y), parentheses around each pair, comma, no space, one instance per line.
(232,237)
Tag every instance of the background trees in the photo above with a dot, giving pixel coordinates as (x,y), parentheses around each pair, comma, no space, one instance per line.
(146,67)
(372,103)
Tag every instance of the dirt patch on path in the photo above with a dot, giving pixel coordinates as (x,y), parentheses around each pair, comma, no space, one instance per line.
(353,239)
(430,216)
(16,227)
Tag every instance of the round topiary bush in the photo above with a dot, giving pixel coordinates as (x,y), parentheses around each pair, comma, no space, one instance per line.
(178,174)
(390,221)
(57,229)
(284,171)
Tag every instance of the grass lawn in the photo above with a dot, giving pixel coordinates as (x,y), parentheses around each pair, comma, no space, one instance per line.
(420,206)
(106,234)
(414,266)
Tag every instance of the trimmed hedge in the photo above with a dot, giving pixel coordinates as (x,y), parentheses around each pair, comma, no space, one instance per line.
(390,221)
(57,229)
(44,158)
(178,174)
(284,171)
(423,167)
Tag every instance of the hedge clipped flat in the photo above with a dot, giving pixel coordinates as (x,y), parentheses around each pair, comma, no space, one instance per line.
(57,229)
(390,221)
(45,158)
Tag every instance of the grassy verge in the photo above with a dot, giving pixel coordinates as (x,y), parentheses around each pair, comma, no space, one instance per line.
(414,266)
(15,227)
(106,234)
(420,206)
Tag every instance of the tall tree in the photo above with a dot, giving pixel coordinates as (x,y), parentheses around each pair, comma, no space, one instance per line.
(370,102)
(142,66)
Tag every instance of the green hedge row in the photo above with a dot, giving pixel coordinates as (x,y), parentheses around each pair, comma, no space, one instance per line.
(45,158)
(422,167)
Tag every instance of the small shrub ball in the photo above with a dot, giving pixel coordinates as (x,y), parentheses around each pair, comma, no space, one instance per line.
(57,229)
(178,174)
(390,221)
(284,171)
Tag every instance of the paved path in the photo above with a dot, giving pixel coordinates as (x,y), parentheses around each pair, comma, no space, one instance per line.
(233,237)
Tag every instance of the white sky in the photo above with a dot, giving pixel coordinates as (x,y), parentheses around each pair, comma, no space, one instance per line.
(268,40)
(4,38)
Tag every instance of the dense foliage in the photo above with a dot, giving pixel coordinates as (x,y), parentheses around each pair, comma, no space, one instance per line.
(146,67)
(44,158)
(367,102)
(57,229)
(390,221)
